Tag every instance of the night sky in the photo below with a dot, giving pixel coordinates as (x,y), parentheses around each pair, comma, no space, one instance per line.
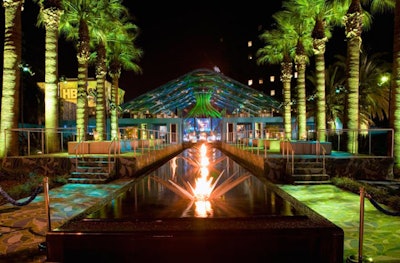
(178,38)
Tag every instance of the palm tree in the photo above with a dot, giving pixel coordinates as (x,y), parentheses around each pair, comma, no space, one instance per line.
(101,34)
(49,15)
(373,92)
(319,45)
(286,77)
(353,25)
(335,95)
(300,25)
(355,21)
(278,50)
(301,61)
(11,77)
(101,73)
(395,86)
(326,15)
(121,54)
(75,23)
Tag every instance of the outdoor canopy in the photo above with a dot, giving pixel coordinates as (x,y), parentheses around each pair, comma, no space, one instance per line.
(202,93)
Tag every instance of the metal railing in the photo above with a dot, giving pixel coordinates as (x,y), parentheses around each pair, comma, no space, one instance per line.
(112,151)
(374,142)
(35,141)
(377,142)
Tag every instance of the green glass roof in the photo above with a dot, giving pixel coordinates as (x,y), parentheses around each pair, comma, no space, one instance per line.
(202,93)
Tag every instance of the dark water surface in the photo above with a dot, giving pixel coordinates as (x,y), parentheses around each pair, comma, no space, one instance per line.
(166,192)
(246,219)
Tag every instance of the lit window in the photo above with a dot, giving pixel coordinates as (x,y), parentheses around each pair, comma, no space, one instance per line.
(272,78)
(295,75)
(250,57)
(249,43)
(250,82)
(260,81)
(272,92)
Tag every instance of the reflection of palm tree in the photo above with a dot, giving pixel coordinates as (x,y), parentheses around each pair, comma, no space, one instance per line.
(11,77)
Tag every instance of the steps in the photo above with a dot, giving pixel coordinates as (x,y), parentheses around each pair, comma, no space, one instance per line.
(308,171)
(92,170)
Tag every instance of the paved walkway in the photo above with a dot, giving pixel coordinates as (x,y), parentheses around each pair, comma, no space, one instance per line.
(381,232)
(24,228)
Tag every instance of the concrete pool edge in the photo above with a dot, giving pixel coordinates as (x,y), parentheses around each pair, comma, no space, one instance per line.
(308,236)
(274,239)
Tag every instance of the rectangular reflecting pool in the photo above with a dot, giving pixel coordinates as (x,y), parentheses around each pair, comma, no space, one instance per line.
(165,193)
(198,206)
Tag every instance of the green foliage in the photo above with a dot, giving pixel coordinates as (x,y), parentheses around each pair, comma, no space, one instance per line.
(386,196)
(20,185)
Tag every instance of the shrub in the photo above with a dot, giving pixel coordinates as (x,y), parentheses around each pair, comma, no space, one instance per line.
(385,196)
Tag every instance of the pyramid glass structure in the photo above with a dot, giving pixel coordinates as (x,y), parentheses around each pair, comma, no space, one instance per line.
(202,93)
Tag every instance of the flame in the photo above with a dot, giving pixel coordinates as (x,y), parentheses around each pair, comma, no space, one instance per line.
(205,188)
(203,184)
(203,209)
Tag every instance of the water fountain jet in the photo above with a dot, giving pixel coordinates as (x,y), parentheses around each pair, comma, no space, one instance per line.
(205,189)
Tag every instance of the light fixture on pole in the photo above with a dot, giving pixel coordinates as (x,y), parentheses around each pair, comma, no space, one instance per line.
(25,68)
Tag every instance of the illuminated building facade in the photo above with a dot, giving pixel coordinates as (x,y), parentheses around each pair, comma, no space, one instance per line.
(204,103)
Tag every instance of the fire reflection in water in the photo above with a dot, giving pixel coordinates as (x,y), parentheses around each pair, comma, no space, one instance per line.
(205,188)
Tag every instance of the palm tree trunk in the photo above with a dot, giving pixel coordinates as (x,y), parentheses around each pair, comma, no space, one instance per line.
(114,109)
(286,76)
(100,107)
(353,23)
(321,101)
(353,53)
(11,78)
(301,101)
(51,80)
(395,88)
(101,72)
(287,115)
(82,103)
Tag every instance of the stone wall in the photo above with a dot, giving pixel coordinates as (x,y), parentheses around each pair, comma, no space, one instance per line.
(274,168)
(356,167)
(134,166)
(125,166)
(252,162)
(361,168)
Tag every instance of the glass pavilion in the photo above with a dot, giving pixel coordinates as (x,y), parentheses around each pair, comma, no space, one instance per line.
(204,103)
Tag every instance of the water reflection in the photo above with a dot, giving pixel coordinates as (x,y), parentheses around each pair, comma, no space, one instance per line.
(197,183)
